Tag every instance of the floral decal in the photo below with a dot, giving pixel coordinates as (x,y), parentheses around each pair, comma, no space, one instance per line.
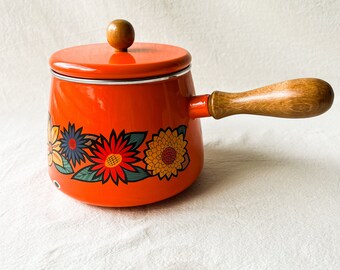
(115,159)
(73,144)
(96,158)
(53,146)
(167,154)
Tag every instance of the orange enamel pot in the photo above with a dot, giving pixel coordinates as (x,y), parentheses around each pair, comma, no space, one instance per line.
(124,126)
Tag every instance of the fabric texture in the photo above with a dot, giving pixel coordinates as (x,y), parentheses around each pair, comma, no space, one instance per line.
(269,194)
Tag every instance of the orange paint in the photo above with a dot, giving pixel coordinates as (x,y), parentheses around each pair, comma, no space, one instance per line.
(198,106)
(101,61)
(159,110)
(124,144)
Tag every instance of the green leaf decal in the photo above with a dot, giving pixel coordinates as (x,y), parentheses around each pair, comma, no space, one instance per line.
(182,130)
(136,138)
(87,175)
(66,168)
(136,176)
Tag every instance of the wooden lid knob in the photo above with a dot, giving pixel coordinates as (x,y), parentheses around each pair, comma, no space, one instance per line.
(120,35)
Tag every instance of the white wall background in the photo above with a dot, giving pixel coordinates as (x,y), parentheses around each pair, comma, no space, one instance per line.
(269,193)
(236,45)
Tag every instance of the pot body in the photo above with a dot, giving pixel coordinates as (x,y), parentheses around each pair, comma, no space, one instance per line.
(123,145)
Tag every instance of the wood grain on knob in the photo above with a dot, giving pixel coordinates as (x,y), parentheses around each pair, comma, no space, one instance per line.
(120,35)
(297,98)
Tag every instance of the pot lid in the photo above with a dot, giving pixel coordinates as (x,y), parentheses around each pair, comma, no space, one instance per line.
(117,60)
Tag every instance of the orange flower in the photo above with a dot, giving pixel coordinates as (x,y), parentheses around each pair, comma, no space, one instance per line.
(53,145)
(166,153)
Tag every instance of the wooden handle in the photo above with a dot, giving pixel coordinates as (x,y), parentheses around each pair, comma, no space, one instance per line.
(298,98)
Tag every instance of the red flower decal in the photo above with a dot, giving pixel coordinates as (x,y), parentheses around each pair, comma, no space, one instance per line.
(114,158)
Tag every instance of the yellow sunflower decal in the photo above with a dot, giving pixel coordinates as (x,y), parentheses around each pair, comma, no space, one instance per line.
(53,145)
(167,153)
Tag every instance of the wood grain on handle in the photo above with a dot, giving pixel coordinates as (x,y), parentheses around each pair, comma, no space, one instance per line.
(297,98)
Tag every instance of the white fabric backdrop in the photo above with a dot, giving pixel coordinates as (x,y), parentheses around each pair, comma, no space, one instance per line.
(269,194)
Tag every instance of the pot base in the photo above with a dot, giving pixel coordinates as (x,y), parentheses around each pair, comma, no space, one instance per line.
(132,200)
